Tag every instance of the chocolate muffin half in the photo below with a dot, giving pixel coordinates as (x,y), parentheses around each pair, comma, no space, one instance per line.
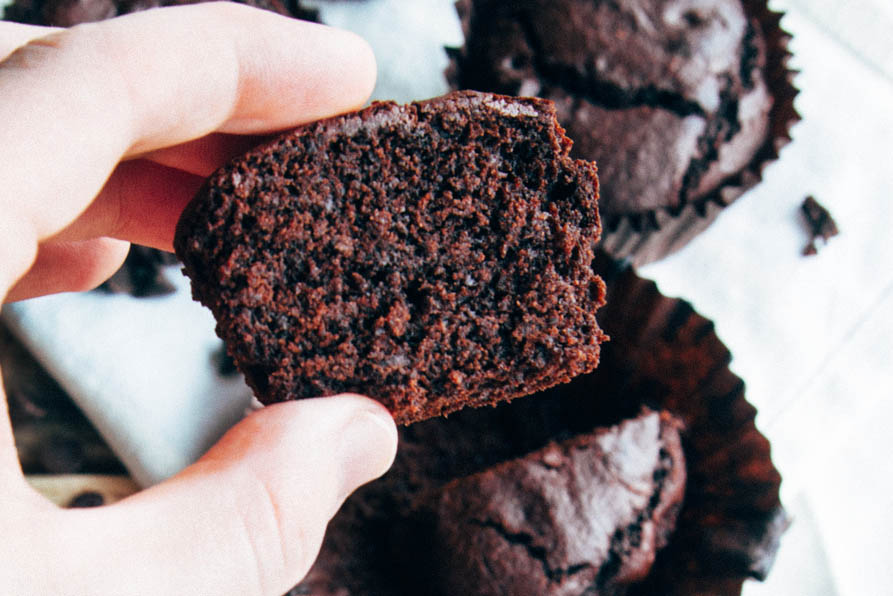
(528,498)
(433,255)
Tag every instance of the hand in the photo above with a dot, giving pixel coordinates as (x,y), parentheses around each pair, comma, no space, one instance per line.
(106,131)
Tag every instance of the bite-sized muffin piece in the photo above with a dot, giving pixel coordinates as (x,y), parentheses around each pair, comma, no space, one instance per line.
(677,100)
(582,516)
(433,255)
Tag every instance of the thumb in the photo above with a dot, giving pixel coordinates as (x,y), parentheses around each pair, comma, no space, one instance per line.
(248,518)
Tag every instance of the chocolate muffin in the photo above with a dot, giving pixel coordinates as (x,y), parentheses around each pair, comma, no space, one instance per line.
(67,13)
(679,102)
(582,516)
(434,255)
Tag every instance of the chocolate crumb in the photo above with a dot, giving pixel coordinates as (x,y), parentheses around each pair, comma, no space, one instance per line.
(86,499)
(819,222)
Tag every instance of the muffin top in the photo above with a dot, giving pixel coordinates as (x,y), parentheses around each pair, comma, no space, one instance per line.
(666,95)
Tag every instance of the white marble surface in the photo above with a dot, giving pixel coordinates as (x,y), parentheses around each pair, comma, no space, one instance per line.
(811,336)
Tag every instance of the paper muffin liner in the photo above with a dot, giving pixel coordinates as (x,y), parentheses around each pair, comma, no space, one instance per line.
(668,357)
(663,356)
(647,237)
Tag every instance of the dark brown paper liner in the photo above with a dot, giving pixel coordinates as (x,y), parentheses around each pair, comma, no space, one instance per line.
(669,357)
(648,237)
(662,355)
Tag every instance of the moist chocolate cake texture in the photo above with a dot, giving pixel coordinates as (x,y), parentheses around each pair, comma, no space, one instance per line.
(434,255)
(670,97)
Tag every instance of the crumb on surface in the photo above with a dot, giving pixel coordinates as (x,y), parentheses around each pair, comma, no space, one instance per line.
(819,223)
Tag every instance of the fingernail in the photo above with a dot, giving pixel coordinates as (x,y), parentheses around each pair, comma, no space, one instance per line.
(369,446)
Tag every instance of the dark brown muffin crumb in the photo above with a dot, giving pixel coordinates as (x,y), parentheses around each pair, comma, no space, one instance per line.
(666,358)
(433,256)
(819,223)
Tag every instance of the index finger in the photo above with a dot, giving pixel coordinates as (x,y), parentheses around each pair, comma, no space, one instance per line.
(73,103)
(15,35)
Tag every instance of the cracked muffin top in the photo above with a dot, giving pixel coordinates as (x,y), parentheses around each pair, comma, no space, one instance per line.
(668,96)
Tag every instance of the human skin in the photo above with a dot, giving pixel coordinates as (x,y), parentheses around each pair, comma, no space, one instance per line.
(106,131)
